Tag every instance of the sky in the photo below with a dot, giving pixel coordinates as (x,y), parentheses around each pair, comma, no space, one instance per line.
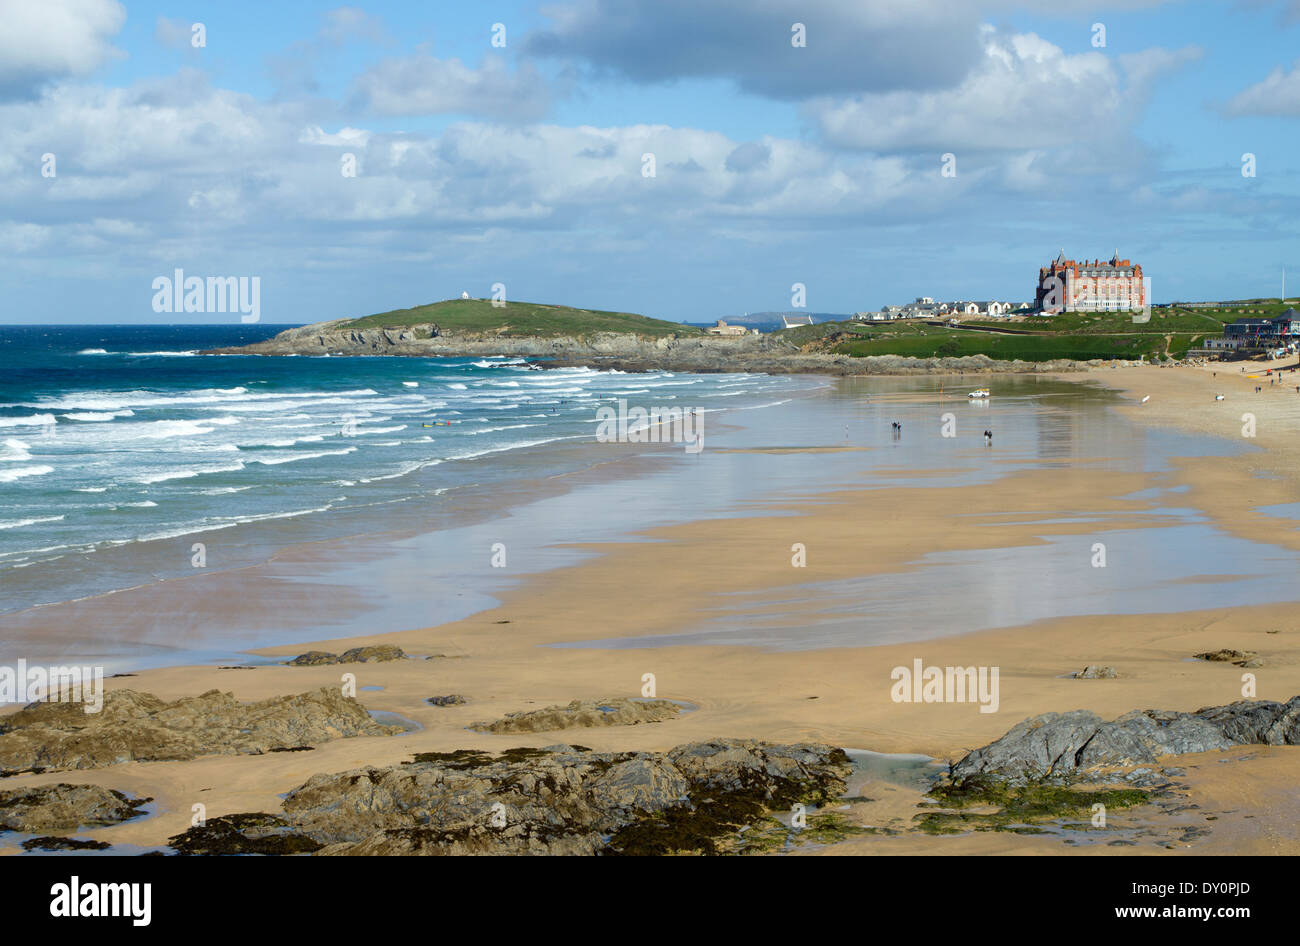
(362,158)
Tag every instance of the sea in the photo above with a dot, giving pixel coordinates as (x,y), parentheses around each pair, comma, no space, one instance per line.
(114,436)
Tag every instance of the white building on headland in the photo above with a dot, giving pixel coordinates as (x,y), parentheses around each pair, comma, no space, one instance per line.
(722,328)
(924,307)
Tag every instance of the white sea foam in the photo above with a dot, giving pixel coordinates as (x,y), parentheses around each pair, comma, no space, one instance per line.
(512,446)
(492,430)
(219,524)
(164,476)
(162,429)
(118,400)
(284,442)
(18,472)
(294,457)
(17,523)
(98,416)
(405,469)
(32,420)
(12,451)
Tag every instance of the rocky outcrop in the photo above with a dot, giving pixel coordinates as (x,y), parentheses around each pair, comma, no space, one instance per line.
(617,711)
(558,800)
(134,726)
(357,655)
(253,833)
(1240,658)
(64,844)
(770,353)
(1095,672)
(64,807)
(451,699)
(1058,746)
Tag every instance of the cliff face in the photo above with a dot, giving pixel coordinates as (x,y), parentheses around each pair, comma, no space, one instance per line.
(335,338)
(698,353)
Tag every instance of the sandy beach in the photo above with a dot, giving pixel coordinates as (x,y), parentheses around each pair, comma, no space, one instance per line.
(595,629)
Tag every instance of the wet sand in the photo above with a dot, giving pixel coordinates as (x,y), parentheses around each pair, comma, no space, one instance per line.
(683,577)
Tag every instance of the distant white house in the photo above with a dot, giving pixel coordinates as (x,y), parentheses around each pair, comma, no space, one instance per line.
(987,307)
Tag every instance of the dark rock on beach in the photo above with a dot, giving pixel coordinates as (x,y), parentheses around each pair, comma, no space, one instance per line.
(253,833)
(64,807)
(1095,672)
(357,655)
(1240,658)
(558,800)
(314,658)
(135,726)
(64,844)
(1066,745)
(453,699)
(616,711)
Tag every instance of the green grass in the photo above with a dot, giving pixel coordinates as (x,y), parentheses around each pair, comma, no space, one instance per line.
(938,343)
(803,334)
(513,319)
(1164,321)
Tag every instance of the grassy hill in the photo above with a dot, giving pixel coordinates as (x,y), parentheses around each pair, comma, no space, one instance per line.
(920,340)
(520,319)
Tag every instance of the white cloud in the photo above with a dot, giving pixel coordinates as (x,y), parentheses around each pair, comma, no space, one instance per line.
(1278,95)
(175,34)
(1027,93)
(423,85)
(345,24)
(343,138)
(44,40)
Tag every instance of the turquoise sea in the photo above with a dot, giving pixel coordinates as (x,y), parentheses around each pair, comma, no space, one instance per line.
(114,436)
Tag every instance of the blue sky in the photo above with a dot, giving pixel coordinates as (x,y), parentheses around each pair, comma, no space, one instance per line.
(523,165)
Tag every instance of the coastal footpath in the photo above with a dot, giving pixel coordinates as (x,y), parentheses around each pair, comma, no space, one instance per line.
(628,351)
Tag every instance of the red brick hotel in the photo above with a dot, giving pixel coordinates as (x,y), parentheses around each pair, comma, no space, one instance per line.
(1096,286)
